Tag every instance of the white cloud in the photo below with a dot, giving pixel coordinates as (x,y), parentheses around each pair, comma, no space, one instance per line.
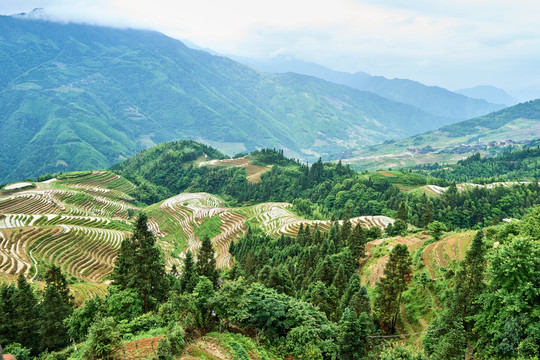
(453,43)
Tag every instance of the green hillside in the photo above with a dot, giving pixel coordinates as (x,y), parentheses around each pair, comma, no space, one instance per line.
(521,164)
(78,96)
(511,127)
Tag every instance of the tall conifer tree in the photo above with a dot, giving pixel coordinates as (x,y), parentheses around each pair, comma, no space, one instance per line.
(206,261)
(140,265)
(53,311)
(26,316)
(356,242)
(397,275)
(189,277)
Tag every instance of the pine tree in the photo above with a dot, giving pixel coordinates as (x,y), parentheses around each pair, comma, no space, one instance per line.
(54,276)
(346,228)
(206,261)
(353,336)
(319,297)
(352,288)
(54,309)
(340,280)
(307,235)
(280,279)
(356,242)
(189,277)
(461,306)
(360,302)
(333,236)
(7,309)
(470,280)
(397,275)
(402,212)
(427,215)
(26,316)
(140,265)
(325,271)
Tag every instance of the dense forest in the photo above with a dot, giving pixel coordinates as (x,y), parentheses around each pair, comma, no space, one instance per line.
(510,165)
(308,296)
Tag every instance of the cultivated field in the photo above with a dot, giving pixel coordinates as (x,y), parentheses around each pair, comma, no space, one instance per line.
(78,221)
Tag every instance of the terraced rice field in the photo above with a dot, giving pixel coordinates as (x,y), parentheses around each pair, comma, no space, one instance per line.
(441,253)
(55,201)
(277,219)
(434,256)
(189,210)
(75,223)
(84,291)
(14,250)
(101,180)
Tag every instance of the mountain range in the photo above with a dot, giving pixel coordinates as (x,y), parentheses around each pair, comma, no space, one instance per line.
(431,99)
(78,96)
(489,93)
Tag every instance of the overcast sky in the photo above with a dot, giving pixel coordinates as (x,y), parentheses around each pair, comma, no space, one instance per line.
(450,43)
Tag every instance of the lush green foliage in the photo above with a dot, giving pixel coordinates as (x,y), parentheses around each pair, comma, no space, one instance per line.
(510,165)
(397,275)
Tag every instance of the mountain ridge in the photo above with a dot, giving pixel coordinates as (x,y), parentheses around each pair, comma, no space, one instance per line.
(80,96)
(432,99)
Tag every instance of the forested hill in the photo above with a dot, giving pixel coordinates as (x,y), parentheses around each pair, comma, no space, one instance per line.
(320,191)
(78,96)
(480,126)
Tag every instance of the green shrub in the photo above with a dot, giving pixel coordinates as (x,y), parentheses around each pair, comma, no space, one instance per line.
(104,340)
(17,350)
(164,350)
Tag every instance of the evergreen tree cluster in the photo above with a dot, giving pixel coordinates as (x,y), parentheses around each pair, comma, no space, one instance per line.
(35,320)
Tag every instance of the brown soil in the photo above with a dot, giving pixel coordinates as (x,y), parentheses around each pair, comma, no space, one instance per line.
(385,173)
(378,270)
(254,173)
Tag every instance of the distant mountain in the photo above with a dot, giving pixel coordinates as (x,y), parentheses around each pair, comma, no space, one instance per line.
(84,97)
(490,134)
(490,94)
(432,99)
(285,64)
